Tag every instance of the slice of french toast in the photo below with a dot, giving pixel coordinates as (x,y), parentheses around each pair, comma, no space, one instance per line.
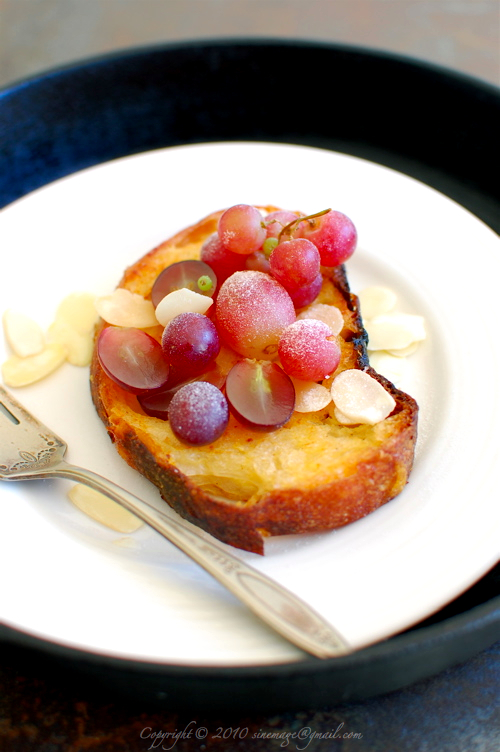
(313,474)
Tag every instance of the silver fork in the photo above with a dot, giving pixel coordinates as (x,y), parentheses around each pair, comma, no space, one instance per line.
(29,450)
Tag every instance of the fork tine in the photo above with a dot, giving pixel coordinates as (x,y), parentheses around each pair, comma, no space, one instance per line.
(27,446)
(12,409)
(5,410)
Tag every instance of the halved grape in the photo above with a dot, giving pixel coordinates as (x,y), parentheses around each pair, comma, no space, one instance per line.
(133,359)
(260,393)
(241,229)
(335,237)
(308,350)
(190,342)
(252,311)
(198,413)
(184,274)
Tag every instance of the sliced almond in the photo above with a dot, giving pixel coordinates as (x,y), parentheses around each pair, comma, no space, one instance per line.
(344,419)
(329,314)
(360,397)
(78,311)
(310,396)
(394,331)
(23,334)
(390,366)
(405,352)
(79,346)
(375,301)
(23,371)
(125,308)
(104,510)
(181,301)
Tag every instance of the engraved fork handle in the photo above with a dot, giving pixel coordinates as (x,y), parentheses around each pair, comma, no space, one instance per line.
(278,607)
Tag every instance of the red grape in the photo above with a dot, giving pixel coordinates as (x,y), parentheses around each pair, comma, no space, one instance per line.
(260,393)
(241,229)
(335,237)
(156,404)
(258,262)
(223,262)
(252,311)
(198,413)
(308,350)
(295,263)
(190,342)
(133,359)
(277,220)
(183,274)
(305,295)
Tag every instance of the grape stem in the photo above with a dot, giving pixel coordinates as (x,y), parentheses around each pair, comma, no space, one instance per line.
(290,227)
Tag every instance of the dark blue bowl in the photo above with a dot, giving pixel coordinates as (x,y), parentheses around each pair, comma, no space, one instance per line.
(435,125)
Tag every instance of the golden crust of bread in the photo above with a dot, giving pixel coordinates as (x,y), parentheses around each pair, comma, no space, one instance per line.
(311,475)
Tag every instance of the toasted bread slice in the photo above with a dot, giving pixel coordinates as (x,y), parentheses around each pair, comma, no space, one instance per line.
(313,474)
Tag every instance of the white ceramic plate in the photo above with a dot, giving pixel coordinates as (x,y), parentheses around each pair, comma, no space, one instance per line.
(71,581)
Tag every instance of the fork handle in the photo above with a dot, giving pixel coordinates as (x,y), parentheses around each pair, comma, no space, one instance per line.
(287,614)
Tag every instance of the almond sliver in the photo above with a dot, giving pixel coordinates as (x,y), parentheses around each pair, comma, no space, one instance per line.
(375,301)
(125,308)
(23,371)
(394,331)
(79,346)
(78,311)
(405,352)
(310,396)
(329,314)
(360,397)
(24,335)
(104,510)
(344,419)
(181,301)
(390,366)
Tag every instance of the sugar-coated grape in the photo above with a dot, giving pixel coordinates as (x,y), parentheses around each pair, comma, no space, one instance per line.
(157,404)
(258,262)
(241,229)
(308,350)
(133,359)
(198,413)
(334,235)
(223,262)
(190,342)
(277,220)
(260,393)
(252,309)
(295,263)
(183,274)
(304,296)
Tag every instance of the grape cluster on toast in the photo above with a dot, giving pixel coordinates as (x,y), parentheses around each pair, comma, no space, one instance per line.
(312,474)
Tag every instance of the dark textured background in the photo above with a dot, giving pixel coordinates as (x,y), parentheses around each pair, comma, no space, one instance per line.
(459,34)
